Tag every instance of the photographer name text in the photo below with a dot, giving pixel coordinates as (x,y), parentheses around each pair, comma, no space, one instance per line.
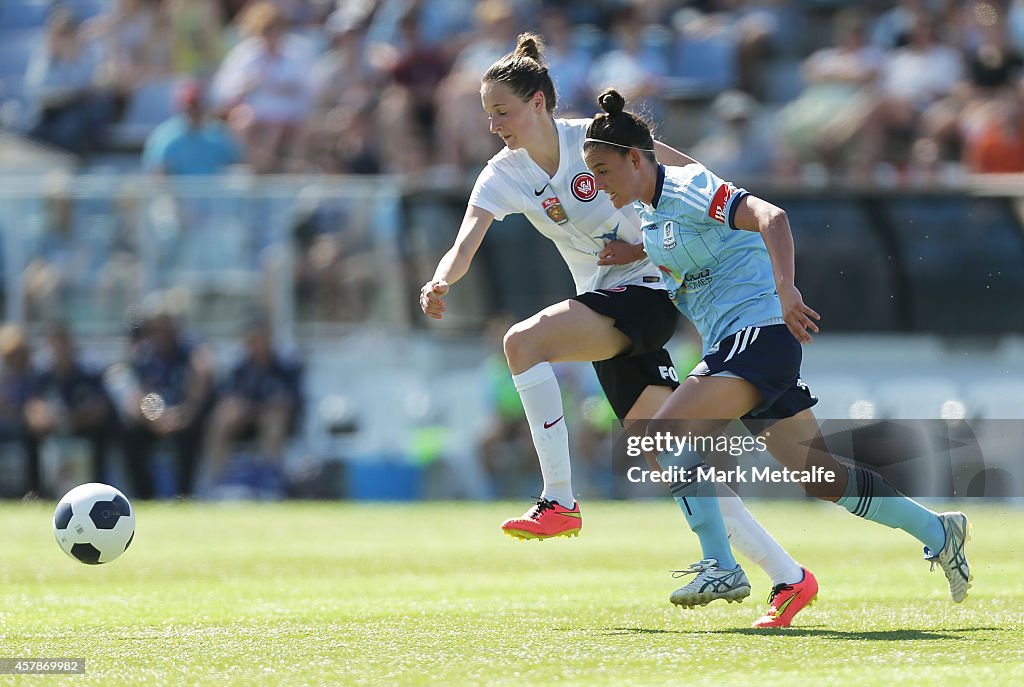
(753,475)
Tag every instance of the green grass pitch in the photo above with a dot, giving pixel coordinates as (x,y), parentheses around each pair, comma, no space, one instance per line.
(350,594)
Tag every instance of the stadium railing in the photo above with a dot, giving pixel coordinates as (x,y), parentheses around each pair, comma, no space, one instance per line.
(91,249)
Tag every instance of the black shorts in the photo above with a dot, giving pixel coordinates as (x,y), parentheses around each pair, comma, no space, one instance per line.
(769,358)
(649,319)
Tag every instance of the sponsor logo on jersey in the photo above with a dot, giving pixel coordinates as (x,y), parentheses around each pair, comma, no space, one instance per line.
(584,187)
(716,210)
(668,235)
(553,207)
(695,281)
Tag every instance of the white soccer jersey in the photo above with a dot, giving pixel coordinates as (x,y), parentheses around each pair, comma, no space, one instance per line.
(566,208)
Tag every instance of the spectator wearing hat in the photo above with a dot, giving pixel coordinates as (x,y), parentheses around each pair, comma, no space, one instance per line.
(190,142)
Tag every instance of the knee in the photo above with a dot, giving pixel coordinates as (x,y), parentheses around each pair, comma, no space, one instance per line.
(520,347)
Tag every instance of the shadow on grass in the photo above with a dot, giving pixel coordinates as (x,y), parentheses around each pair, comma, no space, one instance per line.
(867,635)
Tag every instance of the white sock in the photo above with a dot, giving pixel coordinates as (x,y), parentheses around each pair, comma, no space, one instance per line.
(750,539)
(542,401)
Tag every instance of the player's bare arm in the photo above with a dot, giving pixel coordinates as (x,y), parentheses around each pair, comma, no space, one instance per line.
(455,263)
(667,155)
(755,214)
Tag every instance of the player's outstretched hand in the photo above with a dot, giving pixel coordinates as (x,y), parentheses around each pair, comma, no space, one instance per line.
(432,298)
(797,314)
(620,253)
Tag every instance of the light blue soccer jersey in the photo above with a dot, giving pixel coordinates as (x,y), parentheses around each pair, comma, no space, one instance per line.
(718,276)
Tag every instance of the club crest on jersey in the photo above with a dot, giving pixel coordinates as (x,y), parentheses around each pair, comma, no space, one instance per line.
(584,187)
(716,210)
(553,207)
(668,235)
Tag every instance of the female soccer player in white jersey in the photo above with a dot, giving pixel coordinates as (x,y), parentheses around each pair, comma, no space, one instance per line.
(727,258)
(621,317)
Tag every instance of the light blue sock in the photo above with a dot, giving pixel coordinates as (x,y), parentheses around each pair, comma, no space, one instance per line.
(870,496)
(699,503)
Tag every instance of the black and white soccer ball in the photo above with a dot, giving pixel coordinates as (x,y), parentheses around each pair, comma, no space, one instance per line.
(94,523)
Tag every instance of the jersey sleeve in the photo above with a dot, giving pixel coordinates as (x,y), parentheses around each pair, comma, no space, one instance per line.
(720,197)
(493,192)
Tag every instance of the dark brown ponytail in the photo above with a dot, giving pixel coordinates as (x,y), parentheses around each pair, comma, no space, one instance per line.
(618,127)
(524,72)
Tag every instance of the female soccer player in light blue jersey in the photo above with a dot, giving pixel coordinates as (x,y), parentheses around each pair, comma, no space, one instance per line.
(726,257)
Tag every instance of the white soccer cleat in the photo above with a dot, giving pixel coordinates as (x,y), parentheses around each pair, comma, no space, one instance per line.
(952,559)
(710,583)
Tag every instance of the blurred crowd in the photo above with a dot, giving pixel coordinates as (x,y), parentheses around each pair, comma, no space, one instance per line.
(161,421)
(867,91)
(881,92)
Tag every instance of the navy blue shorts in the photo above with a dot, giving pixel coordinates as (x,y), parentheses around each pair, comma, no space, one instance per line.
(649,319)
(769,358)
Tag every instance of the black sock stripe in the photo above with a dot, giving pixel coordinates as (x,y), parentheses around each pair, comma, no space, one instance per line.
(858,486)
(869,491)
(859,476)
(866,484)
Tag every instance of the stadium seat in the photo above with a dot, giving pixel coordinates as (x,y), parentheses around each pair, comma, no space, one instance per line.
(18,46)
(87,9)
(150,105)
(782,79)
(704,65)
(24,14)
